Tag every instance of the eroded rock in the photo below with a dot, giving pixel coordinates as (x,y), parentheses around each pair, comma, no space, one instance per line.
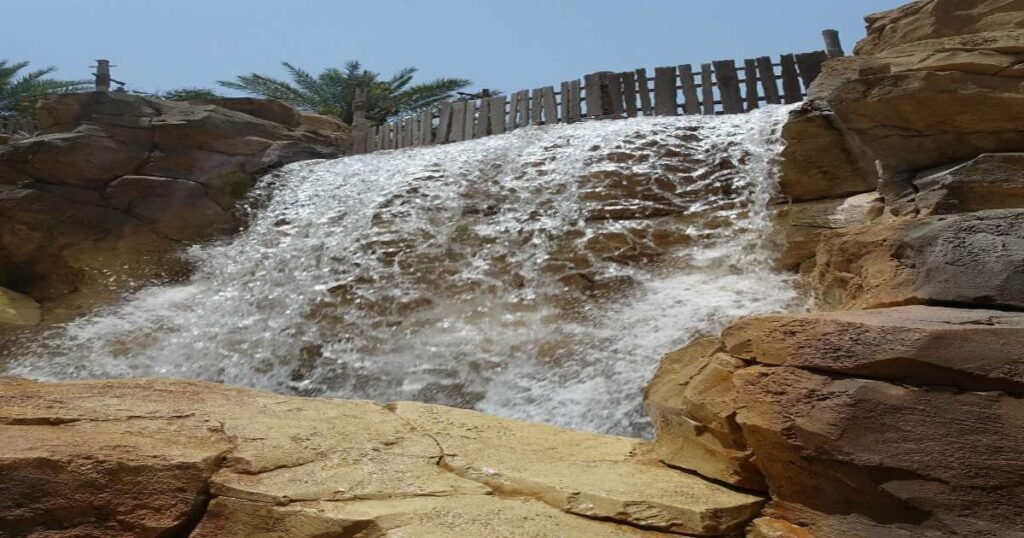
(18,309)
(799,226)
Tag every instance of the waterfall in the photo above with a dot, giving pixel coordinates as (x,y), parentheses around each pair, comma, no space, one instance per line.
(539,274)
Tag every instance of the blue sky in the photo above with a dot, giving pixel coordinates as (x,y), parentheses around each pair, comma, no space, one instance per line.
(510,45)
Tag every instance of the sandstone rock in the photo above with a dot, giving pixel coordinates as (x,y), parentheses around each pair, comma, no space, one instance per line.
(819,161)
(917,120)
(18,309)
(965,348)
(981,62)
(178,209)
(597,476)
(767,527)
(79,159)
(909,458)
(143,457)
(66,112)
(936,20)
(200,126)
(691,402)
(973,259)
(266,109)
(319,122)
(799,226)
(990,181)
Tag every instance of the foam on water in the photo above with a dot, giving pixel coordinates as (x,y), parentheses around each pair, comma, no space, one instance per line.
(539,274)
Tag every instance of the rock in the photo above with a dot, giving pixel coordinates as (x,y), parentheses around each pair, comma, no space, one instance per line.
(819,161)
(201,126)
(691,402)
(319,122)
(917,120)
(886,452)
(146,457)
(177,208)
(66,112)
(799,226)
(597,476)
(989,181)
(86,159)
(767,527)
(973,259)
(931,22)
(266,109)
(981,62)
(18,309)
(979,350)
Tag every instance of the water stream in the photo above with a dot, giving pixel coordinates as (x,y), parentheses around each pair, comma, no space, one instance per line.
(539,274)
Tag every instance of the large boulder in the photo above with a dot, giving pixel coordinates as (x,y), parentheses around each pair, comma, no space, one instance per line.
(131,179)
(800,226)
(18,309)
(928,24)
(161,458)
(974,259)
(989,181)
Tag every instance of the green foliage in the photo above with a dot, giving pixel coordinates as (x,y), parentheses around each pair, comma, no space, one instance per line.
(19,93)
(332,91)
(188,94)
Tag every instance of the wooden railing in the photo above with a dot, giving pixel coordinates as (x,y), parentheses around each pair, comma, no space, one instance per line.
(721,87)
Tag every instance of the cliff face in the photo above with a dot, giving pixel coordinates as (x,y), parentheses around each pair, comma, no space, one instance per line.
(895,410)
(102,199)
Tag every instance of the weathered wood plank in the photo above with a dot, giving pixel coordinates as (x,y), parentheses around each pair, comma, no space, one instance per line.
(691,102)
(766,72)
(407,127)
(565,102)
(444,123)
(498,114)
(458,132)
(427,128)
(523,112)
(707,87)
(750,74)
(643,88)
(615,93)
(665,103)
(470,123)
(536,107)
(595,104)
(809,64)
(513,107)
(790,80)
(728,86)
(550,108)
(629,92)
(483,118)
(575,101)
(387,142)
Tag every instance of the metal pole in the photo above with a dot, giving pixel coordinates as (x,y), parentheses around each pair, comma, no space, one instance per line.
(833,46)
(102,75)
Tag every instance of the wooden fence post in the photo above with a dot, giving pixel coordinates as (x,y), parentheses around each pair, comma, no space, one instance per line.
(833,46)
(360,126)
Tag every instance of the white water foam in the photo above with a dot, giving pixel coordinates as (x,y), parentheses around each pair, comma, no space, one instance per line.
(539,274)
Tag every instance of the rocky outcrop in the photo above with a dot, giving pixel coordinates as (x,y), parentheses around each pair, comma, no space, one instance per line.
(131,179)
(160,458)
(18,309)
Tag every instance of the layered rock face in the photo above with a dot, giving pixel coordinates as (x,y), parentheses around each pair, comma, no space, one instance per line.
(896,409)
(177,458)
(103,198)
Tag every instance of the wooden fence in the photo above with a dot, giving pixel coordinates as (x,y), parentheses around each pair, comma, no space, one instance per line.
(721,87)
(11,125)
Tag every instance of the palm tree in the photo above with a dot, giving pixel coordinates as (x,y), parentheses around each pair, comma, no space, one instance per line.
(331,92)
(18,94)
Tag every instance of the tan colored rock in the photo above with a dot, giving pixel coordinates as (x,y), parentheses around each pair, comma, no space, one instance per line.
(766,527)
(692,403)
(917,120)
(319,122)
(989,181)
(266,109)
(177,208)
(911,458)
(421,517)
(799,226)
(965,348)
(596,476)
(972,259)
(935,20)
(142,457)
(981,62)
(18,309)
(85,158)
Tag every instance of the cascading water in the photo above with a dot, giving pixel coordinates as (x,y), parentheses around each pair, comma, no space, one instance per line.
(539,274)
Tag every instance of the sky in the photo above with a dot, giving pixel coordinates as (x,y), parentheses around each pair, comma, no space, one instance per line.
(510,45)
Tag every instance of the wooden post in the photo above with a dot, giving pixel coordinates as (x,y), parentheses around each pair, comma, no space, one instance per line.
(498,114)
(790,80)
(665,103)
(444,123)
(809,64)
(359,124)
(728,86)
(767,73)
(523,109)
(595,103)
(548,101)
(707,89)
(629,92)
(483,118)
(536,106)
(427,128)
(750,74)
(102,75)
(643,88)
(467,126)
(458,130)
(691,102)
(614,85)
(833,46)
